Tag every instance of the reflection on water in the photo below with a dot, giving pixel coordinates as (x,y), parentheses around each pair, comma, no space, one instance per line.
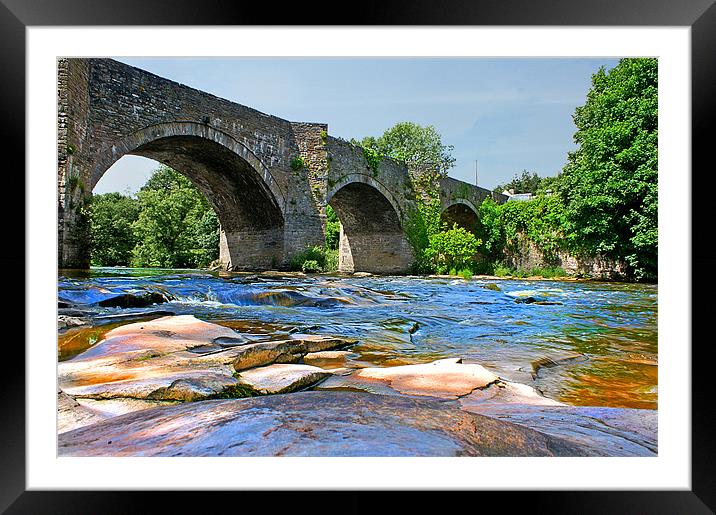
(401,320)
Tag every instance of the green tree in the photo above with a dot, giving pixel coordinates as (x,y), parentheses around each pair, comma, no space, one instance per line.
(417,146)
(176,228)
(112,215)
(452,249)
(610,183)
(333,228)
(525,183)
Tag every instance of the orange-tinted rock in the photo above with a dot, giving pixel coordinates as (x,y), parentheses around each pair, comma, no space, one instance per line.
(155,360)
(445,378)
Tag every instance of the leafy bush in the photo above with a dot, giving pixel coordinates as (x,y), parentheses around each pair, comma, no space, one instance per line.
(501,270)
(452,249)
(331,260)
(504,226)
(297,164)
(315,253)
(315,259)
(465,273)
(310,265)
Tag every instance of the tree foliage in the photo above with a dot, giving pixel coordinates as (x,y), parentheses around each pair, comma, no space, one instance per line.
(452,249)
(176,228)
(169,224)
(527,182)
(610,184)
(503,227)
(417,146)
(112,237)
(333,228)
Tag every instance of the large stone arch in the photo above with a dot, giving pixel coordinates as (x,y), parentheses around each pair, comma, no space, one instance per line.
(247,200)
(372,237)
(462,212)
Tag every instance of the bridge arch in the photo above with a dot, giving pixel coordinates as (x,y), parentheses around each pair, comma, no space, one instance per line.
(240,188)
(372,237)
(461,212)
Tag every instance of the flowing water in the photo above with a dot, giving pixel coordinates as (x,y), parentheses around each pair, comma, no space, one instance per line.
(584,343)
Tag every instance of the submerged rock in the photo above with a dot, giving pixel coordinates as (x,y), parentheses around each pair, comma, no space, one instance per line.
(329,360)
(311,424)
(133,300)
(290,298)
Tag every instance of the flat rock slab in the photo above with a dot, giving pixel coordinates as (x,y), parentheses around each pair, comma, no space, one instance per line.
(275,379)
(602,431)
(311,424)
(330,359)
(286,351)
(444,378)
(71,415)
(506,392)
(156,360)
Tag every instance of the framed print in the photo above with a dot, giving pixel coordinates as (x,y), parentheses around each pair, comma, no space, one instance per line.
(243,274)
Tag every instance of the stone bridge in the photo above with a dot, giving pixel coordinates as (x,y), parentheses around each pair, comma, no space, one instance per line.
(268,180)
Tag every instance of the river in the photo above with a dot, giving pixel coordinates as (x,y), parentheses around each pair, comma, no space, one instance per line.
(582,343)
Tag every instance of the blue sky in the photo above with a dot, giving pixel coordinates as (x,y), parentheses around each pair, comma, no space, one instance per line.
(506,114)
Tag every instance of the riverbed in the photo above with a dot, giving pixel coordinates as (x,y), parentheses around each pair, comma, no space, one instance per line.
(582,343)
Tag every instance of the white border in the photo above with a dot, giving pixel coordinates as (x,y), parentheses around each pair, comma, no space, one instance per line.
(670,470)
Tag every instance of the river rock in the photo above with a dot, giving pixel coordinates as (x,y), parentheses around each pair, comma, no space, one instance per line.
(319,424)
(71,415)
(154,360)
(291,298)
(64,321)
(133,300)
(330,359)
(599,430)
(283,351)
(444,378)
(281,378)
(506,392)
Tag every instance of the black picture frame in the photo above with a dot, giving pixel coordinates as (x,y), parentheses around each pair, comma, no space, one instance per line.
(699,15)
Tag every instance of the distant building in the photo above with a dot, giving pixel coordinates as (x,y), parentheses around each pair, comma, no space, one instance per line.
(519,197)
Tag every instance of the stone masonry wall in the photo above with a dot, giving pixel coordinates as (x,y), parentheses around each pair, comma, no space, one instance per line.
(527,256)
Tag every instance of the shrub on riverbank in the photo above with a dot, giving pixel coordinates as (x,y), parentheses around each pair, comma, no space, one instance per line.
(451,249)
(315,259)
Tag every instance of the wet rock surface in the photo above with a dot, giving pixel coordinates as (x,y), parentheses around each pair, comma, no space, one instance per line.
(444,378)
(71,415)
(311,424)
(154,360)
(600,431)
(275,379)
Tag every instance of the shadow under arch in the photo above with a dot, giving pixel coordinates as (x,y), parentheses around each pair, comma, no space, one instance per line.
(246,199)
(461,212)
(372,238)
